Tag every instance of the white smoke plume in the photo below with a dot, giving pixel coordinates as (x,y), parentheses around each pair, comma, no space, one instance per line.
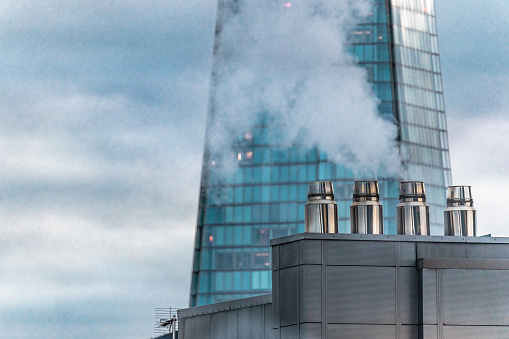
(289,59)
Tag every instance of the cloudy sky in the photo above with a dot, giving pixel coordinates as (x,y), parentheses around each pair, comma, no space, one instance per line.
(102,121)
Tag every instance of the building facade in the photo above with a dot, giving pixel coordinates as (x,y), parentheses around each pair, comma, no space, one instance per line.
(397,45)
(370,286)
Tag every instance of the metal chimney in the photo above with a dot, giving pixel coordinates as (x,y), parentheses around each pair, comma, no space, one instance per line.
(412,211)
(460,216)
(366,213)
(321,214)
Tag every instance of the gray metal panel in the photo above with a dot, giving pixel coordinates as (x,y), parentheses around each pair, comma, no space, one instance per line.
(475,332)
(290,332)
(408,289)
(268,321)
(361,253)
(488,251)
(407,254)
(289,296)
(441,250)
(275,258)
(310,331)
(250,322)
(182,326)
(430,332)
(288,255)
(409,332)
(475,297)
(310,252)
(224,325)
(198,327)
(276,317)
(310,293)
(362,295)
(429,296)
(361,331)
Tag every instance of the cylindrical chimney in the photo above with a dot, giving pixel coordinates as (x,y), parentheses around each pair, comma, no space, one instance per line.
(460,216)
(366,214)
(412,211)
(321,214)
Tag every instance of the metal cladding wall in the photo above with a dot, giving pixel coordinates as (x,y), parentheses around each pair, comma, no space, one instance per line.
(370,286)
(249,318)
(379,286)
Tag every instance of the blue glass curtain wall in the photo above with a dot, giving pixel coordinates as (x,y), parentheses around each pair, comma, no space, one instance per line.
(239,214)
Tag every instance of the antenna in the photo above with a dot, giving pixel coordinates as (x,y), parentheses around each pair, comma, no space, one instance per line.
(166,321)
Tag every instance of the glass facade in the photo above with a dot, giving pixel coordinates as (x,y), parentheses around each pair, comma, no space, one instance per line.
(264,199)
(420,101)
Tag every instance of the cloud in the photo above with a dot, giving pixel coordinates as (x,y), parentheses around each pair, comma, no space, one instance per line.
(85,281)
(98,205)
(101,135)
(474,55)
(479,158)
(113,47)
(475,70)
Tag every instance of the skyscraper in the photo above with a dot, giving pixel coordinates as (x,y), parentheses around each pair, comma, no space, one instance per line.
(238,214)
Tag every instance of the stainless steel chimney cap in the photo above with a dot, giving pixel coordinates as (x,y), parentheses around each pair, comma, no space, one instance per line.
(460,216)
(461,195)
(365,189)
(412,189)
(321,211)
(366,212)
(320,190)
(412,212)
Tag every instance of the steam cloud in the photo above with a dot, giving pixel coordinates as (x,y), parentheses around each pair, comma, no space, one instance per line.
(290,61)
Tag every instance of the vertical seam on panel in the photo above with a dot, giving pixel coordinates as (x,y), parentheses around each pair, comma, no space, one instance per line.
(324,289)
(236,323)
(420,302)
(279,291)
(298,287)
(439,303)
(398,291)
(264,324)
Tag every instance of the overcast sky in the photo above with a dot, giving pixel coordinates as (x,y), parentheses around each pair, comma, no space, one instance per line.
(102,122)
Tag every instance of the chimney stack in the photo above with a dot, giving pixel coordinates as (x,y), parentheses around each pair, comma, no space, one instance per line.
(412,211)
(460,216)
(366,213)
(321,213)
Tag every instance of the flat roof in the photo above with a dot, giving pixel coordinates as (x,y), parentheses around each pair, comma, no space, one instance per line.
(389,237)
